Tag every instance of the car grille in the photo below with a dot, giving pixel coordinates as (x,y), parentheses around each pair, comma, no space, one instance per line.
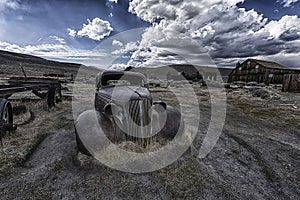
(139,118)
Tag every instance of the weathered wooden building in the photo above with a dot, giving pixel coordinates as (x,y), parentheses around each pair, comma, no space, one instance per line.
(291,82)
(253,70)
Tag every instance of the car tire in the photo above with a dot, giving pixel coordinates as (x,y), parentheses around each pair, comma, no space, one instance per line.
(81,148)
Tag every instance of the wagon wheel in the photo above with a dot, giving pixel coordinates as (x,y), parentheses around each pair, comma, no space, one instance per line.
(6,118)
(54,96)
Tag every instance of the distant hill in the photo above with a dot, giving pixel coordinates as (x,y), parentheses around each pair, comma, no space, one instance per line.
(190,69)
(10,64)
(33,66)
(161,72)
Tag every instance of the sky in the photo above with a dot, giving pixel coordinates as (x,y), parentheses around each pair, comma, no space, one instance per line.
(118,33)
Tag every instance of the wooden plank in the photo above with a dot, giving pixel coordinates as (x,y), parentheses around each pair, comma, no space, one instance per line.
(286,83)
(294,83)
(12,90)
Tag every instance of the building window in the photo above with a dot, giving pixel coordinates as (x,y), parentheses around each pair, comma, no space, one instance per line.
(240,69)
(257,67)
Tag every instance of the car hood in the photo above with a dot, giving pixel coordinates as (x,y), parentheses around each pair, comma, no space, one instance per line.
(125,93)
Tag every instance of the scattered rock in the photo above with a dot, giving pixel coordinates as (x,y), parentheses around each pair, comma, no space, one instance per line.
(239,83)
(251,84)
(264,94)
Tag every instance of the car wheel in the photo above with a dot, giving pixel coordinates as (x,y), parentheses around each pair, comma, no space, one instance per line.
(81,148)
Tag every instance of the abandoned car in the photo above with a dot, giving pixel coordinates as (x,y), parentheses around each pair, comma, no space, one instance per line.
(126,112)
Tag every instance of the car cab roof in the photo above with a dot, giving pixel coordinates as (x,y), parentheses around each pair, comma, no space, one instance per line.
(121,73)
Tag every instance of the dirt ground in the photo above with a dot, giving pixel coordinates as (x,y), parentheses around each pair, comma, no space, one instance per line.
(256,157)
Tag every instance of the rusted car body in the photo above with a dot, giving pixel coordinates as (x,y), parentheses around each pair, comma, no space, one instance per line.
(126,111)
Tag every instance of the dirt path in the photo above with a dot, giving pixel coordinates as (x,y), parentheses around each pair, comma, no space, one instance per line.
(54,171)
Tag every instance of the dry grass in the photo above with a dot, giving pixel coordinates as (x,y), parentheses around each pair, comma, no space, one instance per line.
(187,178)
(20,144)
(260,109)
(151,146)
(184,181)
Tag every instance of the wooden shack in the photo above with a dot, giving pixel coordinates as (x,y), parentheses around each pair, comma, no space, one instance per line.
(253,70)
(259,71)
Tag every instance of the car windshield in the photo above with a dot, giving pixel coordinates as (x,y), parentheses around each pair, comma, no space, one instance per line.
(121,80)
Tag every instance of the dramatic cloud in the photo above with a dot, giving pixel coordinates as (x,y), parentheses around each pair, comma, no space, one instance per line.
(71,32)
(285,24)
(96,29)
(192,28)
(287,3)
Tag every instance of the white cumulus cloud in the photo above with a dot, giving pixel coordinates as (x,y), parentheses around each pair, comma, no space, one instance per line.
(277,28)
(71,32)
(96,29)
(234,2)
(188,29)
(117,42)
(129,47)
